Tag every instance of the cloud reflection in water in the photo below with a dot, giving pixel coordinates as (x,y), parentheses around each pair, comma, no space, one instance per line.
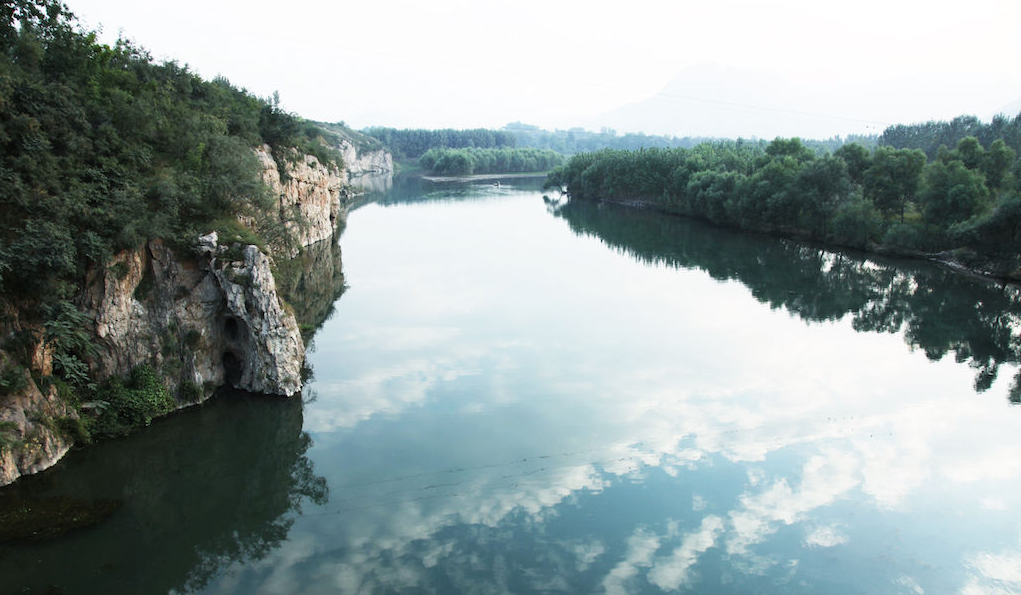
(698,439)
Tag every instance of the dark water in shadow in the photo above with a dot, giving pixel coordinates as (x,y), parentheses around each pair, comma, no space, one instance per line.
(211,485)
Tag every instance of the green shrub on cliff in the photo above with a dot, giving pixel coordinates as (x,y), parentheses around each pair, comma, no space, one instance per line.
(101,148)
(134,403)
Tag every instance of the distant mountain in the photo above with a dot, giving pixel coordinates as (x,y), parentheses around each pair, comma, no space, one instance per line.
(706,100)
(1011,109)
(722,101)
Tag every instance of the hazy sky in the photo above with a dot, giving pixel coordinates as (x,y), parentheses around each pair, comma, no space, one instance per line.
(463,63)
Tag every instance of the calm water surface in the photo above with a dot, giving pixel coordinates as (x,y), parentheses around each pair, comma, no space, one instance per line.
(512,397)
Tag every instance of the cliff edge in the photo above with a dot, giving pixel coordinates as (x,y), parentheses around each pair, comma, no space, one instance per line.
(199,318)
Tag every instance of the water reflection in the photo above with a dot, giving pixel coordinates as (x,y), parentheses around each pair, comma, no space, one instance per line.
(373,182)
(312,283)
(504,405)
(939,311)
(210,487)
(411,189)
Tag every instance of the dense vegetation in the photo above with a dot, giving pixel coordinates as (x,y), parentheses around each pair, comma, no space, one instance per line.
(413,143)
(461,162)
(102,149)
(894,198)
(337,131)
(579,140)
(930,136)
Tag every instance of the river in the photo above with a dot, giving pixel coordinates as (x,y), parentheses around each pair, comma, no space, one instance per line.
(512,396)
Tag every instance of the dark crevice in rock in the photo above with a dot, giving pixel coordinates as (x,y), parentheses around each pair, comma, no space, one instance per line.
(233,368)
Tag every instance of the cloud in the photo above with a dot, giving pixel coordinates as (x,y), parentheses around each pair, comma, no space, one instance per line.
(999,464)
(993,503)
(586,552)
(674,571)
(909,585)
(641,547)
(993,573)
(828,536)
(825,478)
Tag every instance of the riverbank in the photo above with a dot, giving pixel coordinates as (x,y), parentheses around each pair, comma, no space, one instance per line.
(963,262)
(956,209)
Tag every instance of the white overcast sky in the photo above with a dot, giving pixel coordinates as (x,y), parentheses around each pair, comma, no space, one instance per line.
(463,63)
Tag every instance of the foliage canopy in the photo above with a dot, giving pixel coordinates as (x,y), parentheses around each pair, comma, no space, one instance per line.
(965,198)
(101,148)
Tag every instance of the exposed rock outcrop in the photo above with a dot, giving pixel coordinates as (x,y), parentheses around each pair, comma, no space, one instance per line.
(308,195)
(151,306)
(263,347)
(202,319)
(31,439)
(312,198)
(361,162)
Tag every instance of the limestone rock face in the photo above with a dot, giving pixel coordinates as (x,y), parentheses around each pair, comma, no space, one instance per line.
(33,443)
(366,162)
(206,320)
(202,319)
(308,197)
(263,347)
(162,309)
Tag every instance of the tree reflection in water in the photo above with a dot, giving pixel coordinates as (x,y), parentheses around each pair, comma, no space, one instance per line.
(205,489)
(209,487)
(939,311)
(312,283)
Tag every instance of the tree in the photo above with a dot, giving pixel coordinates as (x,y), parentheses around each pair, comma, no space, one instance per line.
(952,193)
(998,232)
(769,199)
(996,163)
(893,178)
(969,151)
(819,188)
(857,223)
(790,147)
(857,158)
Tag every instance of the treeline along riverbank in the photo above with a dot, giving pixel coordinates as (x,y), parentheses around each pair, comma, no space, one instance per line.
(962,205)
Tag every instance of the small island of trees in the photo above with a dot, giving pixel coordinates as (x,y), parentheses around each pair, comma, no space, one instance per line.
(463,162)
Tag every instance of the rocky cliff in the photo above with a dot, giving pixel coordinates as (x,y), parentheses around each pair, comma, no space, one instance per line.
(362,161)
(202,318)
(308,195)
